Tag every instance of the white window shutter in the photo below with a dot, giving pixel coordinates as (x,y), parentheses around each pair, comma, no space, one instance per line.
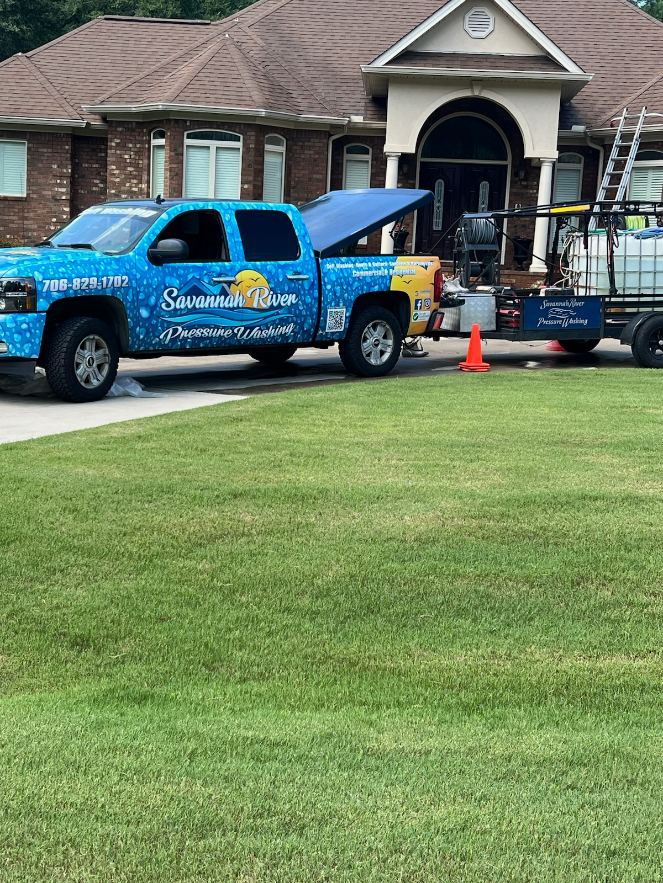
(13,168)
(272,190)
(196,172)
(357,174)
(567,185)
(647,184)
(228,172)
(158,169)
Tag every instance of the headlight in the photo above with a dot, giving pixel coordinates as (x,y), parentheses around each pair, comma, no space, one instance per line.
(18,295)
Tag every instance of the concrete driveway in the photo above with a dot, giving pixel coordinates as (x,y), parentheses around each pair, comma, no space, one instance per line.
(208,380)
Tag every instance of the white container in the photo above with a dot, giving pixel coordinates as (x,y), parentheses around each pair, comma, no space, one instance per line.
(638,265)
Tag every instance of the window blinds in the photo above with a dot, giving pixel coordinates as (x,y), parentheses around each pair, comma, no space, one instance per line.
(196,172)
(357,174)
(272,190)
(158,168)
(567,185)
(227,173)
(647,184)
(13,168)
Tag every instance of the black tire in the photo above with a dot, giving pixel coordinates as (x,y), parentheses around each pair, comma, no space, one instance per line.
(67,346)
(579,346)
(647,346)
(272,355)
(373,343)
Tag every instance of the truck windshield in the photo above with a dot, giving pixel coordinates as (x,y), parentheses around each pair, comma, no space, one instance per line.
(111,229)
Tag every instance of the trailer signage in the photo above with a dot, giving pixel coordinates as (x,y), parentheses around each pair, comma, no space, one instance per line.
(562,313)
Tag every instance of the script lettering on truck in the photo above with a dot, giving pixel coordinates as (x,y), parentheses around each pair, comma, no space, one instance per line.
(246,309)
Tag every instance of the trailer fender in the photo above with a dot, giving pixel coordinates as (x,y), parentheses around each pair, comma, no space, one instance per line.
(629,331)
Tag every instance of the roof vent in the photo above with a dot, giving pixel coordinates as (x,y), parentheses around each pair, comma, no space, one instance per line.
(479,22)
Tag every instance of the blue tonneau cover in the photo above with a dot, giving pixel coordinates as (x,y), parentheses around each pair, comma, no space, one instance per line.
(343,217)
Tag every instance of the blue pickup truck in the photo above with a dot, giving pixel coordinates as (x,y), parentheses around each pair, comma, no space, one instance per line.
(145,278)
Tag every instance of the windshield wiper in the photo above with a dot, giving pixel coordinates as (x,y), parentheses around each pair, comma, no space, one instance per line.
(78,245)
(45,243)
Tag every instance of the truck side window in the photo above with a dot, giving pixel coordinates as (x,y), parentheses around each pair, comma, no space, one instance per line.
(267,235)
(203,232)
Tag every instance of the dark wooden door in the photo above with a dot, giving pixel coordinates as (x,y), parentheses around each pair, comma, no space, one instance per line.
(458,188)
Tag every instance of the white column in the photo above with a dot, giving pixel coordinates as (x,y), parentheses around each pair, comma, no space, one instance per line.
(540,248)
(391,183)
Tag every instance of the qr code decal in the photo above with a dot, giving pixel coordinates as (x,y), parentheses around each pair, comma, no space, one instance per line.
(335,320)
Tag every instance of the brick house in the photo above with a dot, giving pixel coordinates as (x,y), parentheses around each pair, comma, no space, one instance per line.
(489,103)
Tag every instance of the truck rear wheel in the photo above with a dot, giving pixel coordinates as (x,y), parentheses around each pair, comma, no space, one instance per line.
(373,343)
(647,346)
(81,360)
(579,346)
(272,355)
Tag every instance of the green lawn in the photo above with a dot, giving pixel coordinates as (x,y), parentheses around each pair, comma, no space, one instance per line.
(398,631)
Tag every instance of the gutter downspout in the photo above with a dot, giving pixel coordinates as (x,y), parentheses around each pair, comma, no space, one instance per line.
(330,146)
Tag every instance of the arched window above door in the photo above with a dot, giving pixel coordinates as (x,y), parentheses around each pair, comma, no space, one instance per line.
(465,138)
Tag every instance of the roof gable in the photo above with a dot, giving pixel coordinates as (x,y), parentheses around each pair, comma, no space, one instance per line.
(514,33)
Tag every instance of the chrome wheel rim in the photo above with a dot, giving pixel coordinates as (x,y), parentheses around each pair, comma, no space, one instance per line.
(377,342)
(92,361)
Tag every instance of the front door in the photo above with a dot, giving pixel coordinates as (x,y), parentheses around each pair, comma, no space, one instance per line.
(458,188)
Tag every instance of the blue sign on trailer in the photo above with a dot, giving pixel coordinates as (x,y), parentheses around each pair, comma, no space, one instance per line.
(563,314)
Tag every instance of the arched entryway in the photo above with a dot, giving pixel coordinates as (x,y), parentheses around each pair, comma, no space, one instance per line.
(465,160)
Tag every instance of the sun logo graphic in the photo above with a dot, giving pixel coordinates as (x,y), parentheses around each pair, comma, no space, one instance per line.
(254,288)
(257,294)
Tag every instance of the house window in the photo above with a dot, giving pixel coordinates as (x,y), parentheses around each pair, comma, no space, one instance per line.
(158,164)
(465,138)
(479,23)
(272,186)
(568,178)
(438,207)
(357,167)
(646,181)
(568,183)
(212,165)
(13,168)
(484,196)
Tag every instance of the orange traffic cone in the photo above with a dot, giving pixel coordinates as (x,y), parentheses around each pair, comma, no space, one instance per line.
(475,360)
(554,346)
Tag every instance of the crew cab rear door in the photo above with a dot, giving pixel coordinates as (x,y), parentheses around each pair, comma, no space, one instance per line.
(216,297)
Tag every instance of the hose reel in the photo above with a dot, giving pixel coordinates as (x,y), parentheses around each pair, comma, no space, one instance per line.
(476,251)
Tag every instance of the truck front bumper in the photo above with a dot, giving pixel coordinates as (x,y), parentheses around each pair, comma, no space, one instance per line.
(20,336)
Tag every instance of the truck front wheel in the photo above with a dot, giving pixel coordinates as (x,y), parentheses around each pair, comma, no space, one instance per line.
(373,343)
(647,346)
(81,360)
(272,355)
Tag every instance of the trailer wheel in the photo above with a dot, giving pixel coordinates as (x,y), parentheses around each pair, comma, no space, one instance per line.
(81,360)
(579,346)
(647,346)
(272,355)
(373,343)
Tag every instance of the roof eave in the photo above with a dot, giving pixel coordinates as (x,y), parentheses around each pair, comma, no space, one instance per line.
(192,109)
(376,77)
(41,122)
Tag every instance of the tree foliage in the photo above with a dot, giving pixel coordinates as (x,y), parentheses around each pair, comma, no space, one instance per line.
(652,7)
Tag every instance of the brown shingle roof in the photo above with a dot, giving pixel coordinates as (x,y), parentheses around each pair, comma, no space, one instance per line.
(305,57)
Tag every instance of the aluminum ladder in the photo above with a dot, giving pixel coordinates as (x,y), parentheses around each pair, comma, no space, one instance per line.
(614,178)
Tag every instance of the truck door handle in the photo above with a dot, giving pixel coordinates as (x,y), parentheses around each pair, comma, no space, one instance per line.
(298,277)
(225,280)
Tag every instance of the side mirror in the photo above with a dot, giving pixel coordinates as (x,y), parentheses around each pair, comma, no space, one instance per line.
(168,251)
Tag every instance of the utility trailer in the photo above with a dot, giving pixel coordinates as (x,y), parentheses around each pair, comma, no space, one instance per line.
(606,280)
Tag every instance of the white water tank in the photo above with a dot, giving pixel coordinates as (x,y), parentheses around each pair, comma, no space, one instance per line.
(638,263)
